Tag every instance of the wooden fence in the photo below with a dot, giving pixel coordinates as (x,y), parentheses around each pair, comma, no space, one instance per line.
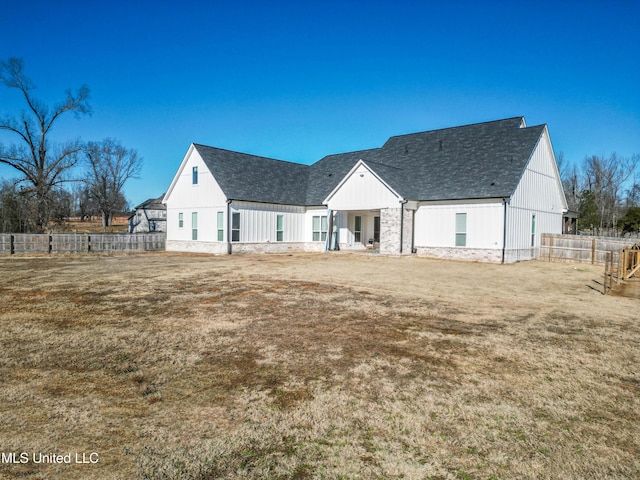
(574,248)
(12,243)
(620,267)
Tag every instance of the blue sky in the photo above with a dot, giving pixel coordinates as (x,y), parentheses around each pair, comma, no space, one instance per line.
(298,80)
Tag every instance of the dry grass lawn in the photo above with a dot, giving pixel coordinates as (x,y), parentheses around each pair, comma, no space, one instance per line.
(174,366)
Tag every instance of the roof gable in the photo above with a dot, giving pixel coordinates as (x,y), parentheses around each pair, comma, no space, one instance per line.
(362,188)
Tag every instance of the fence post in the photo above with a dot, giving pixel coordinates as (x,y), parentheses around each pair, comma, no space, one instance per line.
(620,271)
(12,244)
(611,270)
(550,247)
(88,243)
(606,266)
(593,251)
(50,243)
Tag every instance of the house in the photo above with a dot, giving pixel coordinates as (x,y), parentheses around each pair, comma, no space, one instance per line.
(149,216)
(481,192)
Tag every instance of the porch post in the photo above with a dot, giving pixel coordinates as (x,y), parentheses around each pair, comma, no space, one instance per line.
(390,230)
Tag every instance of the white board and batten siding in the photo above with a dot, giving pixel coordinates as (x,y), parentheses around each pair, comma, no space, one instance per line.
(259,221)
(362,189)
(259,233)
(435,224)
(189,201)
(538,193)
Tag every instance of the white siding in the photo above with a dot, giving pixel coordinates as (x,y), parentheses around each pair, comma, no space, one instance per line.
(539,193)
(362,190)
(435,224)
(540,188)
(308,224)
(204,198)
(205,193)
(258,222)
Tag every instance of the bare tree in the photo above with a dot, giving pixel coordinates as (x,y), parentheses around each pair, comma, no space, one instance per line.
(604,178)
(110,166)
(42,165)
(633,193)
(84,205)
(570,178)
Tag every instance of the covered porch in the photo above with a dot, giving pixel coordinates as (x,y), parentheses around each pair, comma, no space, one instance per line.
(367,214)
(358,229)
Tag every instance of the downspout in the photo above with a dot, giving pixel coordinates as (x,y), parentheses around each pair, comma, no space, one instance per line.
(413,231)
(327,243)
(229,227)
(504,230)
(402,204)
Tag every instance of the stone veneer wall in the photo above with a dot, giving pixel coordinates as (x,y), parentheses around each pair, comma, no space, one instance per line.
(277,247)
(390,231)
(491,255)
(217,248)
(407,230)
(222,248)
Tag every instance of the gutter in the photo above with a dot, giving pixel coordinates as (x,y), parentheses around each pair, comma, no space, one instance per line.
(504,230)
(229,226)
(402,204)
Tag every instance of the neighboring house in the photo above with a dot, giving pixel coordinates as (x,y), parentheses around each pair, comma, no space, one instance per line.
(149,216)
(480,192)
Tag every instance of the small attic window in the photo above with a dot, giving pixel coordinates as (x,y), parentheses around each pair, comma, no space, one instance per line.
(194,176)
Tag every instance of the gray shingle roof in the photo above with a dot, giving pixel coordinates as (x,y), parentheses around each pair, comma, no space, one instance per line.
(256,179)
(153,204)
(483,160)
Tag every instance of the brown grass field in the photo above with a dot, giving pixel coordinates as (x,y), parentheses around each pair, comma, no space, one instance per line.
(315,366)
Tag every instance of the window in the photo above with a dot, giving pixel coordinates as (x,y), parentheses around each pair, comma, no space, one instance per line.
(280,228)
(194,226)
(235,227)
(533,230)
(181,220)
(319,228)
(461,229)
(220,226)
(194,176)
(357,229)
(376,229)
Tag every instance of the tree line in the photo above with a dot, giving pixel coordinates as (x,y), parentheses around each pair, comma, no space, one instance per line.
(605,193)
(56,180)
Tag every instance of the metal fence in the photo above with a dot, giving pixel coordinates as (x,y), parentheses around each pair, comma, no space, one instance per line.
(574,248)
(12,243)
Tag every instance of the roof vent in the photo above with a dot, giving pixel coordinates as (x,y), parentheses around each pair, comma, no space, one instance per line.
(406,149)
(440,147)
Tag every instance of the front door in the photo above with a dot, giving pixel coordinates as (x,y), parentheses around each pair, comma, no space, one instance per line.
(357,229)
